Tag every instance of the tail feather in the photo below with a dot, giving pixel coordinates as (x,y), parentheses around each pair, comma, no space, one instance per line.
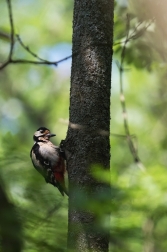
(58,173)
(59,176)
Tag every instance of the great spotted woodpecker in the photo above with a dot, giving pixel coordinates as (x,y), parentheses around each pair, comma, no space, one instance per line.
(48,159)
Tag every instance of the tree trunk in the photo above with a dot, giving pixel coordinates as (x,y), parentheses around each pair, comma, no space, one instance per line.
(87,143)
(10,225)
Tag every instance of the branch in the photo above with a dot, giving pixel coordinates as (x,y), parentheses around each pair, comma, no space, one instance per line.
(12,29)
(29,51)
(10,59)
(136,33)
(55,63)
(11,36)
(129,37)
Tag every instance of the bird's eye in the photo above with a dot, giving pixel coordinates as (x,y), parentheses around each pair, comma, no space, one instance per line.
(42,131)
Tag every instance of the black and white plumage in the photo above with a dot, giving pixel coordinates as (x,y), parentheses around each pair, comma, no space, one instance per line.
(48,160)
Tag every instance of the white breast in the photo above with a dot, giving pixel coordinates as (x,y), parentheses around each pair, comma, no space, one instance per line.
(49,152)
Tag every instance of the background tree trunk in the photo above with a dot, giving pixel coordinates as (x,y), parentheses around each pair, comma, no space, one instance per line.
(87,141)
(10,226)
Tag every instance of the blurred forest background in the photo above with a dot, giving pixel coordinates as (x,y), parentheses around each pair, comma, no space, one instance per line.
(38,95)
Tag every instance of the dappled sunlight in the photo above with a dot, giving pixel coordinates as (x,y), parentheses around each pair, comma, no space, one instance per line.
(38,95)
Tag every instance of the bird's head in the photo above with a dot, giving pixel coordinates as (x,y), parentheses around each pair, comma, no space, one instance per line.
(42,134)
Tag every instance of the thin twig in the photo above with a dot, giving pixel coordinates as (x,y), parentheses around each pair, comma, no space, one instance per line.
(136,33)
(4,64)
(122,136)
(10,59)
(29,50)
(11,36)
(39,63)
(12,29)
(35,62)
(132,148)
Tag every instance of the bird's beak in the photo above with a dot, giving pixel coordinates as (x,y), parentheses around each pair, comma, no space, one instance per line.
(50,135)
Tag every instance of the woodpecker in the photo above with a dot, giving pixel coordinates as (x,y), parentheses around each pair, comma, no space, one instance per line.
(48,159)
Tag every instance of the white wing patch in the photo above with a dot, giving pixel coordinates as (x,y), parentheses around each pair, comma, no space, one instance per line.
(36,161)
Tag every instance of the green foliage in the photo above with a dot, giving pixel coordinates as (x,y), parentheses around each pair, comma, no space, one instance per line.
(33,96)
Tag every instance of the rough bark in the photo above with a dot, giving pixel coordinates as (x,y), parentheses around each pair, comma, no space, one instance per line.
(87,141)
